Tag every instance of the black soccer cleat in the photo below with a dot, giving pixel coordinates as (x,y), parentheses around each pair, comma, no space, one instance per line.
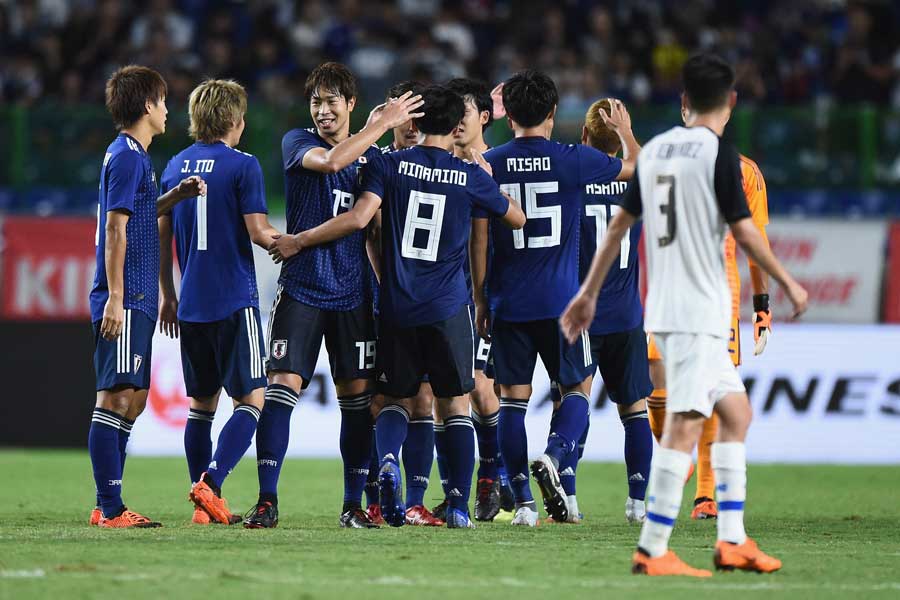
(507,500)
(356,518)
(440,511)
(262,516)
(554,496)
(487,499)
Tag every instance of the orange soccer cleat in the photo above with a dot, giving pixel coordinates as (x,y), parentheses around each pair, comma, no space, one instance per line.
(705,509)
(667,564)
(128,518)
(419,515)
(96,515)
(203,497)
(746,556)
(374,512)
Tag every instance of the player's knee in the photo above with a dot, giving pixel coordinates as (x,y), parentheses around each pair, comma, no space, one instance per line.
(657,374)
(137,405)
(682,431)
(118,401)
(735,415)
(287,379)
(206,403)
(483,398)
(452,407)
(352,387)
(634,407)
(256,399)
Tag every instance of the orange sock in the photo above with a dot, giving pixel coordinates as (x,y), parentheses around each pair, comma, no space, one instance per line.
(656,410)
(706,479)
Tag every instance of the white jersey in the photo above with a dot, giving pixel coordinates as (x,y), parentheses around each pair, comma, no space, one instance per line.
(687,186)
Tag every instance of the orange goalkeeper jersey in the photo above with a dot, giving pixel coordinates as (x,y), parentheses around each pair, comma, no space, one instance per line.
(755,190)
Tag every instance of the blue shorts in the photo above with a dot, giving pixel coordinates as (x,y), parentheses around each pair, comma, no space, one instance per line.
(516,346)
(622,360)
(125,362)
(228,353)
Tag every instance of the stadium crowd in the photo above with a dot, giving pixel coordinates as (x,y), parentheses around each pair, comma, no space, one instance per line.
(785,52)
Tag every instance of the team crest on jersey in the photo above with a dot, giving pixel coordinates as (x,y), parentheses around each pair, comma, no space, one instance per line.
(138,359)
(279,349)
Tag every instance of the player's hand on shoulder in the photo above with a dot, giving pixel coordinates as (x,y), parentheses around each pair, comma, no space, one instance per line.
(191,187)
(478,159)
(168,317)
(284,247)
(578,316)
(618,118)
(113,318)
(397,111)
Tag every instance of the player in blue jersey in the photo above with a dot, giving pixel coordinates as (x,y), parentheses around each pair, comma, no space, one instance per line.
(321,292)
(428,197)
(124,295)
(532,274)
(618,341)
(218,313)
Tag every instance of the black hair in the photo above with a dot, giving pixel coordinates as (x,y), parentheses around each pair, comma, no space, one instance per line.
(479,92)
(128,90)
(333,77)
(398,89)
(529,97)
(708,80)
(443,109)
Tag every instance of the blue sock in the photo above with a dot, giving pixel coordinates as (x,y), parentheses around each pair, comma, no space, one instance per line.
(233,442)
(514,446)
(488,444)
(356,445)
(440,449)
(372,477)
(569,466)
(106,460)
(390,432)
(198,442)
(568,426)
(638,452)
(124,434)
(272,435)
(501,467)
(460,459)
(418,456)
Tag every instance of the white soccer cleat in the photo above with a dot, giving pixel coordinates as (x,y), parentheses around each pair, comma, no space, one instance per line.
(575,515)
(635,511)
(525,516)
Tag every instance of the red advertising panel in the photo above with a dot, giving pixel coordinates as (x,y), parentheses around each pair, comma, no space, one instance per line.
(48,268)
(892,277)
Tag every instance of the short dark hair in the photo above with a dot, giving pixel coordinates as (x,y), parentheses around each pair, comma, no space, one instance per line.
(443,109)
(398,89)
(332,76)
(708,80)
(529,97)
(127,93)
(479,92)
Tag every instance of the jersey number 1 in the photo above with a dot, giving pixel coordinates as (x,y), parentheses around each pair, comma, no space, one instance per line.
(201,223)
(667,208)
(602,219)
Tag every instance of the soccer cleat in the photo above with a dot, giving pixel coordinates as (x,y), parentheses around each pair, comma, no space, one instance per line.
(357,518)
(200,517)
(635,511)
(667,564)
(507,500)
(374,513)
(440,511)
(525,516)
(96,515)
(203,496)
(457,519)
(127,519)
(487,499)
(746,557)
(419,515)
(704,508)
(262,516)
(391,495)
(547,479)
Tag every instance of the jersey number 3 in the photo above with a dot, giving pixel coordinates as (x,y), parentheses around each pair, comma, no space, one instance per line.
(666,185)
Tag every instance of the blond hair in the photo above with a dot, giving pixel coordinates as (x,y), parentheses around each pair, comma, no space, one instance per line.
(599,135)
(215,106)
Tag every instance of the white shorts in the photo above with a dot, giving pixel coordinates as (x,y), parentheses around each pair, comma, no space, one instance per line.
(699,371)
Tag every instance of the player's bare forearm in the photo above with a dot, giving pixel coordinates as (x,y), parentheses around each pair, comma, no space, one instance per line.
(189,187)
(606,254)
(343,154)
(373,244)
(261,232)
(166,277)
(114,252)
(478,246)
(630,150)
(514,217)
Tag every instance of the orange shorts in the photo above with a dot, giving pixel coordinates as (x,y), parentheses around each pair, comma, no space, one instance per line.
(734,344)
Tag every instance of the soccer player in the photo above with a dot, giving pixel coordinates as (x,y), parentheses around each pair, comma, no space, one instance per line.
(428,196)
(320,292)
(532,273)
(755,189)
(124,294)
(690,183)
(618,342)
(218,313)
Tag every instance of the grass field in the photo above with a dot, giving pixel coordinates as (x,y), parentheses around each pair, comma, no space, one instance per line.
(836,528)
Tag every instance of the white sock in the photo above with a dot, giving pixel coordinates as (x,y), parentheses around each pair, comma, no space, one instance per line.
(729,462)
(668,471)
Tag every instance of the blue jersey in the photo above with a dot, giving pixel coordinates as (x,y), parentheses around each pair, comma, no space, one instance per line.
(213,246)
(329,276)
(534,271)
(619,305)
(428,196)
(128,183)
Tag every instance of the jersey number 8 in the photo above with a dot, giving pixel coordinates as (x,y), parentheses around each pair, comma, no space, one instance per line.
(431,225)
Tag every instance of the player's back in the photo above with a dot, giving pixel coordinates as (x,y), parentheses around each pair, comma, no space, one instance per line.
(215,254)
(689,184)
(534,271)
(128,183)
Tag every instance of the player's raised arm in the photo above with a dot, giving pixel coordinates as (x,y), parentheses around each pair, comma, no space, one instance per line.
(168,301)
(189,187)
(619,121)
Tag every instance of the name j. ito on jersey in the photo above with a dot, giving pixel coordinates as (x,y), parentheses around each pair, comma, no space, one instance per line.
(200,166)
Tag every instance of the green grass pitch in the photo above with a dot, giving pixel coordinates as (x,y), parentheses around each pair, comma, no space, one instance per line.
(836,528)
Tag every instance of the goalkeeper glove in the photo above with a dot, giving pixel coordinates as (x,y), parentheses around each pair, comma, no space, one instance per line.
(762,322)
